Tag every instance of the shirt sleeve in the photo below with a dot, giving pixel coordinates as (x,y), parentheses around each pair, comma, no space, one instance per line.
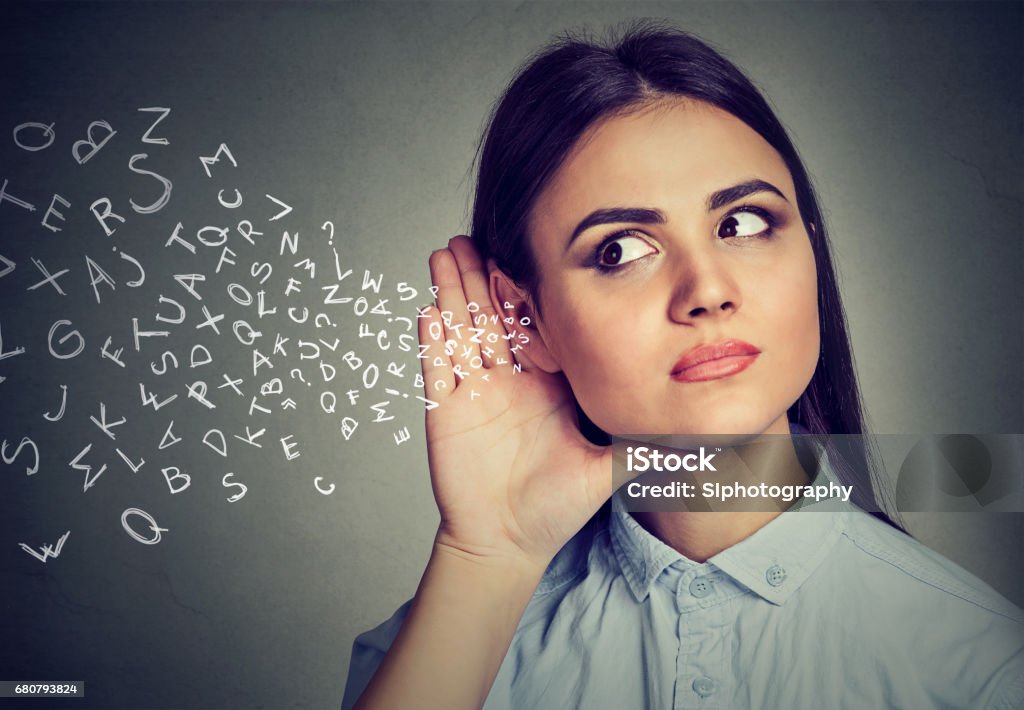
(368,651)
(1011,696)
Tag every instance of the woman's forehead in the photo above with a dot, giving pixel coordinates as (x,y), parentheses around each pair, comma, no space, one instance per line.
(669,155)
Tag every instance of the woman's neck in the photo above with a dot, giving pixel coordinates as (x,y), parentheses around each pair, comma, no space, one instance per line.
(701,534)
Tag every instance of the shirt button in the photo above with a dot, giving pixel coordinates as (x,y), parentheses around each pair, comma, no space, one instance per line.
(775,575)
(701,587)
(703,686)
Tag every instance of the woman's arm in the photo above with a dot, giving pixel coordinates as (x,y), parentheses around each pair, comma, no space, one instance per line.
(514,480)
(456,633)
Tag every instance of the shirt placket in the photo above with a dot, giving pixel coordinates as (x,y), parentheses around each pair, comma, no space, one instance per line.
(704,640)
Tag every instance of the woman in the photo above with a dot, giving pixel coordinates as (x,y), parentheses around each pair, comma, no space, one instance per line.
(652,248)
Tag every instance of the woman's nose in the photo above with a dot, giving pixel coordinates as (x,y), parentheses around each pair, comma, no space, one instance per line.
(704,289)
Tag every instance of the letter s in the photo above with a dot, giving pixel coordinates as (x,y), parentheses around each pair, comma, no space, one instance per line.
(237,496)
(642,462)
(163,199)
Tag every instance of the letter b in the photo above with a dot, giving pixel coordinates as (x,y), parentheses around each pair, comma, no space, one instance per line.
(177,475)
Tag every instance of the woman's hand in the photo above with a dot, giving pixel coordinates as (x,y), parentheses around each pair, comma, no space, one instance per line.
(513,477)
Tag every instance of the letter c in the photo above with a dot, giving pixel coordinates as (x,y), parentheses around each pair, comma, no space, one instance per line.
(325,491)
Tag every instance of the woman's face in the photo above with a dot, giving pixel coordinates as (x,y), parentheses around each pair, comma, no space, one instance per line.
(665,230)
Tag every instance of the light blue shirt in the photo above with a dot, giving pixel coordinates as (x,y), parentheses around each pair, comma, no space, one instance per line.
(825,607)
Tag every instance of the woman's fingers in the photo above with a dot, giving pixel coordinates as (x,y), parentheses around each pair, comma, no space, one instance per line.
(493,346)
(438,378)
(451,299)
(474,334)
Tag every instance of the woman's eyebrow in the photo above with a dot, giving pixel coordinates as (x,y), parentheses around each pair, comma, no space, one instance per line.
(721,198)
(641,215)
(612,215)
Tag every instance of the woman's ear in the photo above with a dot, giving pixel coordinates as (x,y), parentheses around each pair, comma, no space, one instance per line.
(514,307)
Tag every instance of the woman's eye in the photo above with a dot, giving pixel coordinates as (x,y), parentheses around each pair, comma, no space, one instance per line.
(623,250)
(743,223)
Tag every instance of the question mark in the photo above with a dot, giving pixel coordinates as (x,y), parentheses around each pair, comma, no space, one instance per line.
(330,243)
(300,378)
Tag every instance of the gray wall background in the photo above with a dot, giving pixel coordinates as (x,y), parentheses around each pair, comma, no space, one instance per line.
(367,115)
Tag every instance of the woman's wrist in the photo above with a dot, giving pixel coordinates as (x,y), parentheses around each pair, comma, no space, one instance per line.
(516,569)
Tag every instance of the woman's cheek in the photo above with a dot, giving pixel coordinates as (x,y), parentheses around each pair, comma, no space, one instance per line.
(601,360)
(805,308)
(796,291)
(585,333)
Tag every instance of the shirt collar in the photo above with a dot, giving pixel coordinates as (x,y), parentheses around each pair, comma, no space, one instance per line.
(773,562)
(642,557)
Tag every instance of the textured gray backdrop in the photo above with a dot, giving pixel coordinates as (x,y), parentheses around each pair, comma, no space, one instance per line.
(367,115)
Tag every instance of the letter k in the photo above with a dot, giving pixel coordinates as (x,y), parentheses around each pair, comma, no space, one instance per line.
(705,461)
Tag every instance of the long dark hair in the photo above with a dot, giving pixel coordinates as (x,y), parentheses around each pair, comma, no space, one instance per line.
(573,82)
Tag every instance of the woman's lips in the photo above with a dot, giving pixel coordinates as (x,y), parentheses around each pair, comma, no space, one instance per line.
(714,361)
